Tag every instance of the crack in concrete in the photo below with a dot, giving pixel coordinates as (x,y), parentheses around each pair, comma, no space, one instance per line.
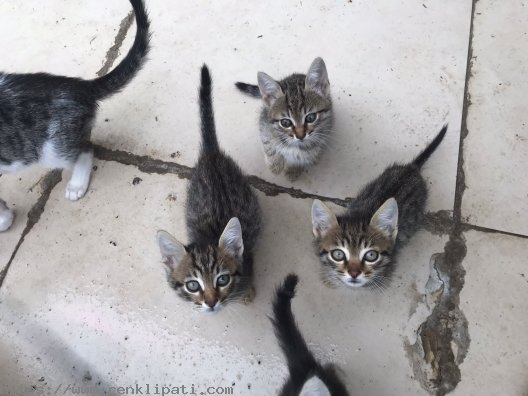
(148,164)
(47,184)
(113,51)
(443,338)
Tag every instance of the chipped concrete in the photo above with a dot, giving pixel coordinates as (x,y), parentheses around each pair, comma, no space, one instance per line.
(100,297)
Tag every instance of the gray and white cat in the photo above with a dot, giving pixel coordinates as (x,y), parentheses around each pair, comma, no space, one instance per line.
(358,247)
(296,120)
(47,119)
(223,223)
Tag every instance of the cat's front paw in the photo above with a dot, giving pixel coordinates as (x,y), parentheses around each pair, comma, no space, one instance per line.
(75,192)
(6,217)
(249,296)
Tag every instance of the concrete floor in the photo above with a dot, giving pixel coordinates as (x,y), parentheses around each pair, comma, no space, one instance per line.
(83,295)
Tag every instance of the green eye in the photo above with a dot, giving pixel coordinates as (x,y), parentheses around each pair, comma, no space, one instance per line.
(223,280)
(192,286)
(371,256)
(337,254)
(310,118)
(285,123)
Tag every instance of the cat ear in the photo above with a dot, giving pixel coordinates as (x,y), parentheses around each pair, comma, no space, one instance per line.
(386,218)
(314,387)
(317,78)
(322,219)
(171,249)
(269,88)
(231,238)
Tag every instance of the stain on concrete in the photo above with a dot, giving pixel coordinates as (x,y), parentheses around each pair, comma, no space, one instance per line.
(47,185)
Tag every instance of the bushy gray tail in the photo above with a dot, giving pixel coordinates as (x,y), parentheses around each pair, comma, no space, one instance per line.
(248,89)
(424,155)
(118,78)
(299,358)
(209,141)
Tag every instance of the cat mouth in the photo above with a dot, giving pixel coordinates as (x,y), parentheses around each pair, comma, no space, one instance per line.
(352,282)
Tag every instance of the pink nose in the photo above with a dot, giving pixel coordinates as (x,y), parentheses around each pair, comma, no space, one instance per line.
(354,274)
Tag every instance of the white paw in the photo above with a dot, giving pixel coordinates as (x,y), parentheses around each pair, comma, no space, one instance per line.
(6,219)
(75,192)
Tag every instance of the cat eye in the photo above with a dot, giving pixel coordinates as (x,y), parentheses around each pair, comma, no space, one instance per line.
(193,286)
(337,254)
(310,118)
(286,123)
(223,280)
(371,256)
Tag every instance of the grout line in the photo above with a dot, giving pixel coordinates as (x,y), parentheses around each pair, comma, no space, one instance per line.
(460,186)
(471,227)
(148,164)
(435,365)
(48,184)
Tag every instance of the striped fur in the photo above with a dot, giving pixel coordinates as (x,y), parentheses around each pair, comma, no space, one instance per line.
(223,223)
(385,214)
(294,148)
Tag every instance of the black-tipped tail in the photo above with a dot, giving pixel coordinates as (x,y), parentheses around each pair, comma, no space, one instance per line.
(209,141)
(118,78)
(424,155)
(248,89)
(299,358)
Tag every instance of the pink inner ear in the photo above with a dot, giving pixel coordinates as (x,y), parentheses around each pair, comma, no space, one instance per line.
(169,262)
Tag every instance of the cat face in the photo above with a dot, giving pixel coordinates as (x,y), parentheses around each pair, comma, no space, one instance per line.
(207,276)
(299,108)
(355,253)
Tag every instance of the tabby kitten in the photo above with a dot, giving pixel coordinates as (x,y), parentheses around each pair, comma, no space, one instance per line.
(307,376)
(47,119)
(223,223)
(358,248)
(296,120)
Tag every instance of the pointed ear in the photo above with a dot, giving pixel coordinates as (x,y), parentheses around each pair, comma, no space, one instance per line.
(314,387)
(231,238)
(269,88)
(171,249)
(322,219)
(317,78)
(386,218)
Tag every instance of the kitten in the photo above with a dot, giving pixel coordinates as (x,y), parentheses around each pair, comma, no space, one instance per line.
(296,119)
(358,248)
(223,223)
(307,376)
(47,119)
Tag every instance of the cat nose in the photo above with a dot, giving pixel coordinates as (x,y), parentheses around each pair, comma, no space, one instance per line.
(300,133)
(211,302)
(354,274)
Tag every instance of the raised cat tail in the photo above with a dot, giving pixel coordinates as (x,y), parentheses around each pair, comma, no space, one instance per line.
(424,155)
(209,141)
(118,78)
(300,359)
(248,89)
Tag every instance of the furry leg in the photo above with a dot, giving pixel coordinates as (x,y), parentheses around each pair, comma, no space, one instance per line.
(80,179)
(6,216)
